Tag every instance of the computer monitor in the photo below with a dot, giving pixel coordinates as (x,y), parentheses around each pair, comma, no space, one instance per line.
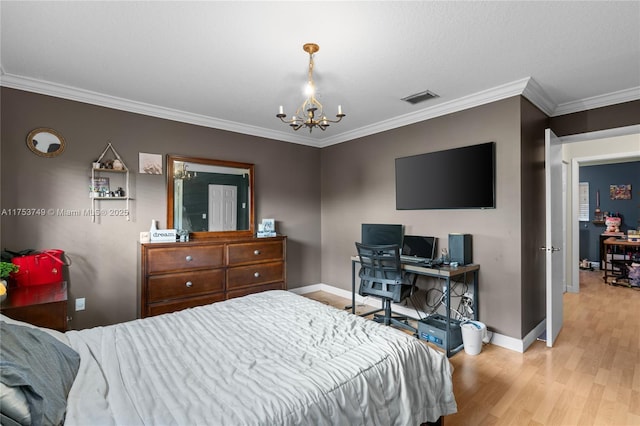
(381,234)
(419,246)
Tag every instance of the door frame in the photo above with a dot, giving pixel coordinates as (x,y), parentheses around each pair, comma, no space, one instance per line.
(576,162)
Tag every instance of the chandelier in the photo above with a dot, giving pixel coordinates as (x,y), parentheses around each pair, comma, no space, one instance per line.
(310,113)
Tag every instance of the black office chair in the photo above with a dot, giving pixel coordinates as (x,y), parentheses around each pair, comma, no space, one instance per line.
(381,276)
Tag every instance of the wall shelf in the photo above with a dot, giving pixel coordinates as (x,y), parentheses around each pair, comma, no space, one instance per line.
(101,184)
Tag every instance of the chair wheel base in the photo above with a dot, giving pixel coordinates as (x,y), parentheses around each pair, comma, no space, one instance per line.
(398,321)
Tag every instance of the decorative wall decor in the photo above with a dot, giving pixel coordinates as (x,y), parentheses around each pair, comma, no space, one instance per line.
(620,192)
(45,142)
(150,164)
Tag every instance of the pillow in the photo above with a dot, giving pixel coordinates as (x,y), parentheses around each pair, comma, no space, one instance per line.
(40,367)
(13,405)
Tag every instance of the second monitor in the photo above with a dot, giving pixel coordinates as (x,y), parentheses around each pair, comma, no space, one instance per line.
(381,234)
(420,247)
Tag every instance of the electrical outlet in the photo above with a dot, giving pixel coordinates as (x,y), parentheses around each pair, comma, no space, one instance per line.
(468,295)
(80,304)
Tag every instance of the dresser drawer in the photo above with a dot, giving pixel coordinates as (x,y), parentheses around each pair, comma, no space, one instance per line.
(178,305)
(165,259)
(262,273)
(184,284)
(48,315)
(254,252)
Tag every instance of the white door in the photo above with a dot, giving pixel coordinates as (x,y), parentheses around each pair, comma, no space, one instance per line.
(223,201)
(553,234)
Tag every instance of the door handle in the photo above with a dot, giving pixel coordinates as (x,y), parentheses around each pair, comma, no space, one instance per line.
(552,249)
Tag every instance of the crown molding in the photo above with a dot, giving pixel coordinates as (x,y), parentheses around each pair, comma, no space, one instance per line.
(504,91)
(613,98)
(526,87)
(537,96)
(122,104)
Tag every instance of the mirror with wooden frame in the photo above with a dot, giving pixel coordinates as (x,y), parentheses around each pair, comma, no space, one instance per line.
(45,142)
(210,198)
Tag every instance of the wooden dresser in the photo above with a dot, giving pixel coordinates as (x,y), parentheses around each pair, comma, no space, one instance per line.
(42,305)
(176,276)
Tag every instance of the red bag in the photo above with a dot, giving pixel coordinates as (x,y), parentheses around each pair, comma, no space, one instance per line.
(39,268)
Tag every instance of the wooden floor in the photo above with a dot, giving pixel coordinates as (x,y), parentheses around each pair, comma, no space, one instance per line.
(590,377)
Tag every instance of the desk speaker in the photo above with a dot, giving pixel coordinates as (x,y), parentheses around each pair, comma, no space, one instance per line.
(460,249)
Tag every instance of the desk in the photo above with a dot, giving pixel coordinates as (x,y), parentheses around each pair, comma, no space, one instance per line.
(626,248)
(42,305)
(445,273)
(603,248)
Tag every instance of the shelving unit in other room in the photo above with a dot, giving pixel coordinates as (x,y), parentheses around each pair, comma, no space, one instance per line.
(100,188)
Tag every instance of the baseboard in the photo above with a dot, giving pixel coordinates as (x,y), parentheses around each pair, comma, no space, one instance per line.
(573,289)
(496,338)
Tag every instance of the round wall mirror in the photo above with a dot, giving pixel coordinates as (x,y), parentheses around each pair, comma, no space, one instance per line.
(45,142)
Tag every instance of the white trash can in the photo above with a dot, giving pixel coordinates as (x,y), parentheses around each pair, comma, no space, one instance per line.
(473,333)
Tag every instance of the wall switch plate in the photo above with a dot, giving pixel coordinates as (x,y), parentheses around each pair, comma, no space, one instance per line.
(80,304)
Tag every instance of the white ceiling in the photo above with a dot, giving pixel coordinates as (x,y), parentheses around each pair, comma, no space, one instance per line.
(229,65)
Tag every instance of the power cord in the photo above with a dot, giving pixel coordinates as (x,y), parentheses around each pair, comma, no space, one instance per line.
(464,310)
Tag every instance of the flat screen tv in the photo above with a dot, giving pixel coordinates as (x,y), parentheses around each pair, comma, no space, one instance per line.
(459,178)
(382,234)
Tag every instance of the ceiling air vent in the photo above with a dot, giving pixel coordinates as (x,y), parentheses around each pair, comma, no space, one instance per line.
(420,97)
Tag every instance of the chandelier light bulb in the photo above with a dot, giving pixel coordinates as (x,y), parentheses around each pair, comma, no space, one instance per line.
(309,89)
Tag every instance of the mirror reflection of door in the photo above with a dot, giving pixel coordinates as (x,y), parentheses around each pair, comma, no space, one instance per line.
(181,218)
(223,202)
(178,194)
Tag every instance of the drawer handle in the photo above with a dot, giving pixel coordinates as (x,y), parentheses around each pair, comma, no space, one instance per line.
(188,283)
(189,258)
(256,252)
(256,274)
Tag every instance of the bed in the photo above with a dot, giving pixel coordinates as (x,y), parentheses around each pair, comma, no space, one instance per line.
(272,358)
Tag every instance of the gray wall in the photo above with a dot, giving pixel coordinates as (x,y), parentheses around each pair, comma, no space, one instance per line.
(358,186)
(593,120)
(104,254)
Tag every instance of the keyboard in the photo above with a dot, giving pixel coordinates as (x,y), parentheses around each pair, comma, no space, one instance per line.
(414,259)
